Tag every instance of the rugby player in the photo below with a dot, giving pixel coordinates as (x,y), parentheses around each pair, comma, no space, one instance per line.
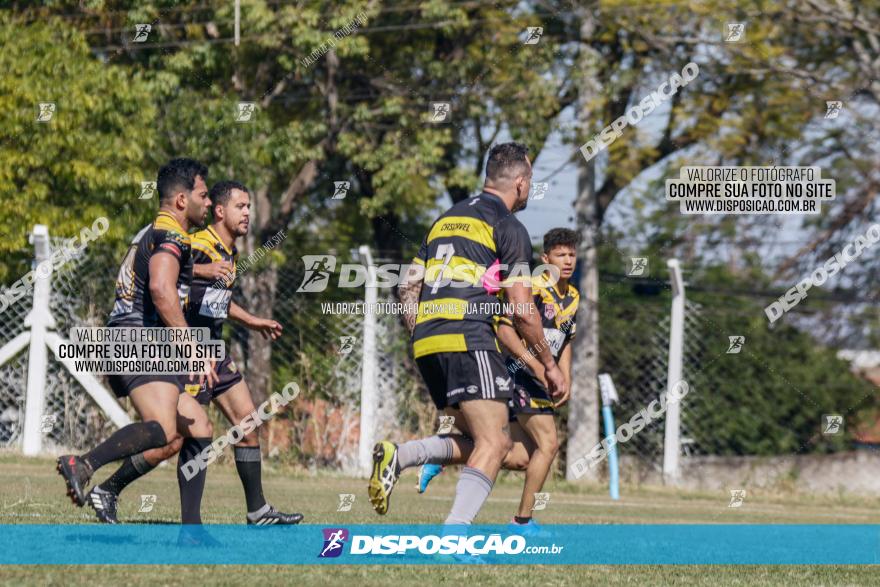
(151,290)
(455,278)
(531,407)
(210,303)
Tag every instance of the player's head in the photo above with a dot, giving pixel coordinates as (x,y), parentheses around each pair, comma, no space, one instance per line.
(560,250)
(509,171)
(182,187)
(231,205)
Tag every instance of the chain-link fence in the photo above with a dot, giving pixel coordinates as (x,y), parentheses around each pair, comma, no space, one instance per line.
(323,353)
(634,351)
(322,350)
(765,397)
(636,354)
(753,388)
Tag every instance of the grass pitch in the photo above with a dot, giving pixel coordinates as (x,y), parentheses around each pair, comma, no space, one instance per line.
(33,493)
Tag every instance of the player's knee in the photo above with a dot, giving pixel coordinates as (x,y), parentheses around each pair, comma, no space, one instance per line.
(250,439)
(202,429)
(197,428)
(503,445)
(549,444)
(516,462)
(492,446)
(553,447)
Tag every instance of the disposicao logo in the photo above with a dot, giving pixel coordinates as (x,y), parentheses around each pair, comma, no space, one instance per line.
(334,540)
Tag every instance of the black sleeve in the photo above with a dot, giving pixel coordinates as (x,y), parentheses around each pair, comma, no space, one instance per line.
(514,248)
(421,257)
(171,242)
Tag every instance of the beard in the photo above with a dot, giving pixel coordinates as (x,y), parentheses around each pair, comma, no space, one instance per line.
(198,220)
(238,230)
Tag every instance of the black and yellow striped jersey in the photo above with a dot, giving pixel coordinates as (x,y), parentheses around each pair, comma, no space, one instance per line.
(134,304)
(467,253)
(558,312)
(209,299)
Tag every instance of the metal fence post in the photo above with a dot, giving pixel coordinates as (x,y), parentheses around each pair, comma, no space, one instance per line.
(369,364)
(39,320)
(672,434)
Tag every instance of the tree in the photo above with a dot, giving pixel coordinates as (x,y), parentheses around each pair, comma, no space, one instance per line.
(730,113)
(85,162)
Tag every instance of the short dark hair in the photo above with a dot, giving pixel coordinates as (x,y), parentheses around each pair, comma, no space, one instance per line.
(506,161)
(561,237)
(179,173)
(222,191)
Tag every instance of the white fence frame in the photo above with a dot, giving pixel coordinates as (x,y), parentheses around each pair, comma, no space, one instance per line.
(40,337)
(672,432)
(369,363)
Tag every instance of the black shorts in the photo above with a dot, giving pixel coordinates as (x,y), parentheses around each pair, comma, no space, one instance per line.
(530,396)
(227,376)
(467,375)
(123,384)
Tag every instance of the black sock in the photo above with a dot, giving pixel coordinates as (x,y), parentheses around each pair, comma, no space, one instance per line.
(191,490)
(126,441)
(247,462)
(133,467)
(522,520)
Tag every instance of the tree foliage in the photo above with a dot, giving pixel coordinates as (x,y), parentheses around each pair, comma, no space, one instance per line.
(88,160)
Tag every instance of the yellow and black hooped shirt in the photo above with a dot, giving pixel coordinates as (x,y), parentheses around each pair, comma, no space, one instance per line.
(558,313)
(470,250)
(209,299)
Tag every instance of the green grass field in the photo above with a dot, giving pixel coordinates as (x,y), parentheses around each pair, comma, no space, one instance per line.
(32,492)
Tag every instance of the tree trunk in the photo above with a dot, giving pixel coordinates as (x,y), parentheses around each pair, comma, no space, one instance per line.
(259,289)
(583,415)
(258,286)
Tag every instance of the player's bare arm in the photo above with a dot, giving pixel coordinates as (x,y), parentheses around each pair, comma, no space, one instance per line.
(409,290)
(514,344)
(528,324)
(164,270)
(565,367)
(218,270)
(265,326)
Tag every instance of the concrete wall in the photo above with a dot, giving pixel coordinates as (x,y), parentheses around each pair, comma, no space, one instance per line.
(856,472)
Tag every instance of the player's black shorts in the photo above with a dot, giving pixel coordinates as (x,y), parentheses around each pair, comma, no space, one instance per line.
(227,376)
(529,396)
(461,376)
(122,385)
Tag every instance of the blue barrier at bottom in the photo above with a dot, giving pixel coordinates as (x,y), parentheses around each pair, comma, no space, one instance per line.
(427,544)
